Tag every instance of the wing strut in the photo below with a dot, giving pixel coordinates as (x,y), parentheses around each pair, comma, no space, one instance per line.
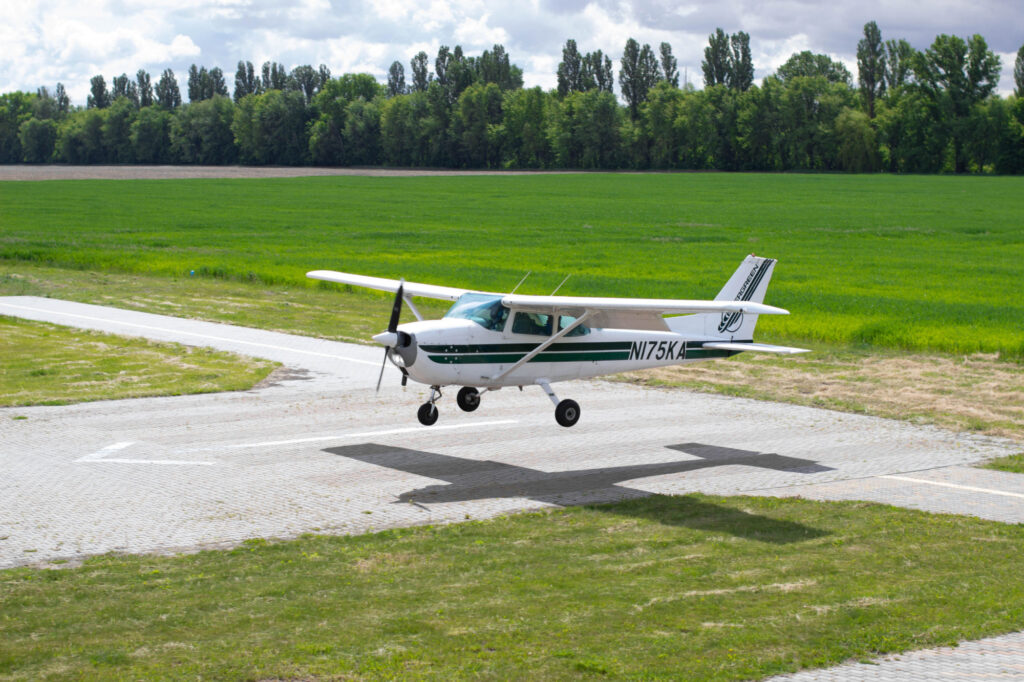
(542,347)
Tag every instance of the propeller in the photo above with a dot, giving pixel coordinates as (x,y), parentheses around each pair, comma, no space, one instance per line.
(390,340)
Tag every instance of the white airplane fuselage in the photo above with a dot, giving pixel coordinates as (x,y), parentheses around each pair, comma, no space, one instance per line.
(460,352)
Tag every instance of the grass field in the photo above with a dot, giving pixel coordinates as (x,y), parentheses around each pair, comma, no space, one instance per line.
(693,587)
(927,263)
(45,364)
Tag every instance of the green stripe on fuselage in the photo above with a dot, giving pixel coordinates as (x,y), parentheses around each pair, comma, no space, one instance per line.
(526,347)
(511,358)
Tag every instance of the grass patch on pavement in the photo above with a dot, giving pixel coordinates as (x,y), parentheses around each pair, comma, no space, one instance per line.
(46,364)
(694,587)
(1012,463)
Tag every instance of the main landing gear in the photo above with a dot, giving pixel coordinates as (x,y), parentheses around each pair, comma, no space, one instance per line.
(567,412)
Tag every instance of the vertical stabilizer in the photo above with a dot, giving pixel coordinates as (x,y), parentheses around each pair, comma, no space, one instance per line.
(748,283)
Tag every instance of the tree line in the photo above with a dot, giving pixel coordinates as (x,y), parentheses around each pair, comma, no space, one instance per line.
(909,111)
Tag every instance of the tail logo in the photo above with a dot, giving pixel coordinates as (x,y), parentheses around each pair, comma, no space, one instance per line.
(733,321)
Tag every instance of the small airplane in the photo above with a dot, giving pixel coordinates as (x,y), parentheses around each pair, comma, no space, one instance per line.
(487,341)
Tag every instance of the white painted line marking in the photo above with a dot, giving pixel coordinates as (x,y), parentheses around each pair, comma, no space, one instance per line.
(367,434)
(201,336)
(101,456)
(954,485)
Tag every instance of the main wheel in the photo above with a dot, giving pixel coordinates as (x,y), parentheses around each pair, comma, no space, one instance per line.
(468,398)
(567,412)
(427,414)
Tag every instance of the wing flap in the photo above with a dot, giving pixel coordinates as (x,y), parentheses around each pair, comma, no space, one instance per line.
(664,306)
(382,284)
(755,347)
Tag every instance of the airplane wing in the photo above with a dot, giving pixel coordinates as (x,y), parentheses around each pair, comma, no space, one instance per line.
(756,347)
(382,284)
(659,306)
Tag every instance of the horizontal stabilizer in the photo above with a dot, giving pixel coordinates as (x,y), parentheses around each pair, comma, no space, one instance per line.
(755,347)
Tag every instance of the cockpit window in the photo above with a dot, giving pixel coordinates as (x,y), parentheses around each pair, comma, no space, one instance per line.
(537,324)
(484,309)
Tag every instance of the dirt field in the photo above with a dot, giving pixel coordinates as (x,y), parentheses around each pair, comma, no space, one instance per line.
(60,172)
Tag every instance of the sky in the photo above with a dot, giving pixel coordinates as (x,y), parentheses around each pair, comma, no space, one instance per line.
(69,41)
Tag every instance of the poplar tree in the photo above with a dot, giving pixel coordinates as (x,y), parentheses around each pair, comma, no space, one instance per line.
(871,66)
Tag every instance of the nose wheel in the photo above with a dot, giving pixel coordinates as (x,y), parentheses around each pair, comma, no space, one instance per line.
(427,414)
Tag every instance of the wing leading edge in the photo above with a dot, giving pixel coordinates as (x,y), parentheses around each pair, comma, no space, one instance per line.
(663,306)
(382,284)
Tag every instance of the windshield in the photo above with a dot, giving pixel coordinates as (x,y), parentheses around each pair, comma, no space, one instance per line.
(484,309)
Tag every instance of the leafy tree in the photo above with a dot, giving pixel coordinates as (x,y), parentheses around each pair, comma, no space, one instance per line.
(857,148)
(807,65)
(955,75)
(716,59)
(570,70)
(898,63)
(144,88)
(1018,73)
(495,67)
(308,81)
(60,95)
(38,139)
(741,66)
(871,66)
(99,97)
(117,127)
(201,132)
(810,105)
(270,128)
(122,86)
(362,133)
(217,85)
(638,74)
(401,126)
(478,119)
(669,65)
(150,135)
(44,106)
(597,72)
(658,129)
(80,138)
(421,76)
(585,130)
(275,76)
(167,94)
(524,122)
(246,82)
(396,79)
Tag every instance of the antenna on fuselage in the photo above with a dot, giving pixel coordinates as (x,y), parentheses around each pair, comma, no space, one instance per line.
(521,281)
(560,285)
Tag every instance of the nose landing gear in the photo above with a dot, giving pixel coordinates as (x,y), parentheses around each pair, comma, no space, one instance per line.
(427,414)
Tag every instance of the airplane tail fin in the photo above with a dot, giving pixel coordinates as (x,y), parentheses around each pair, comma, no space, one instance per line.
(748,283)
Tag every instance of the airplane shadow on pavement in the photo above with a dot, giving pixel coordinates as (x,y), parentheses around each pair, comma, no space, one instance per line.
(471,479)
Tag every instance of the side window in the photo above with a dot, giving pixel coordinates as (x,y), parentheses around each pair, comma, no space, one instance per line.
(537,324)
(564,321)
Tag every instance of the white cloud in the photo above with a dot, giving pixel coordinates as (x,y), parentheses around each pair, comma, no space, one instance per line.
(47,41)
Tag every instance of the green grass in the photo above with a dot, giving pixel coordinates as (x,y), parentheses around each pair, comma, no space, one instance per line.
(45,364)
(692,587)
(1012,463)
(925,263)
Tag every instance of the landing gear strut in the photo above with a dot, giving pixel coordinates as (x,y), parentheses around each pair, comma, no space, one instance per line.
(468,398)
(427,414)
(567,412)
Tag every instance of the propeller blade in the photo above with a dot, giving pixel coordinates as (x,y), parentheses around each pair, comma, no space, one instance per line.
(396,309)
(382,366)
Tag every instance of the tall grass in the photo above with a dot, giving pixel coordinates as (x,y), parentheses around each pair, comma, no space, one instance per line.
(924,263)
